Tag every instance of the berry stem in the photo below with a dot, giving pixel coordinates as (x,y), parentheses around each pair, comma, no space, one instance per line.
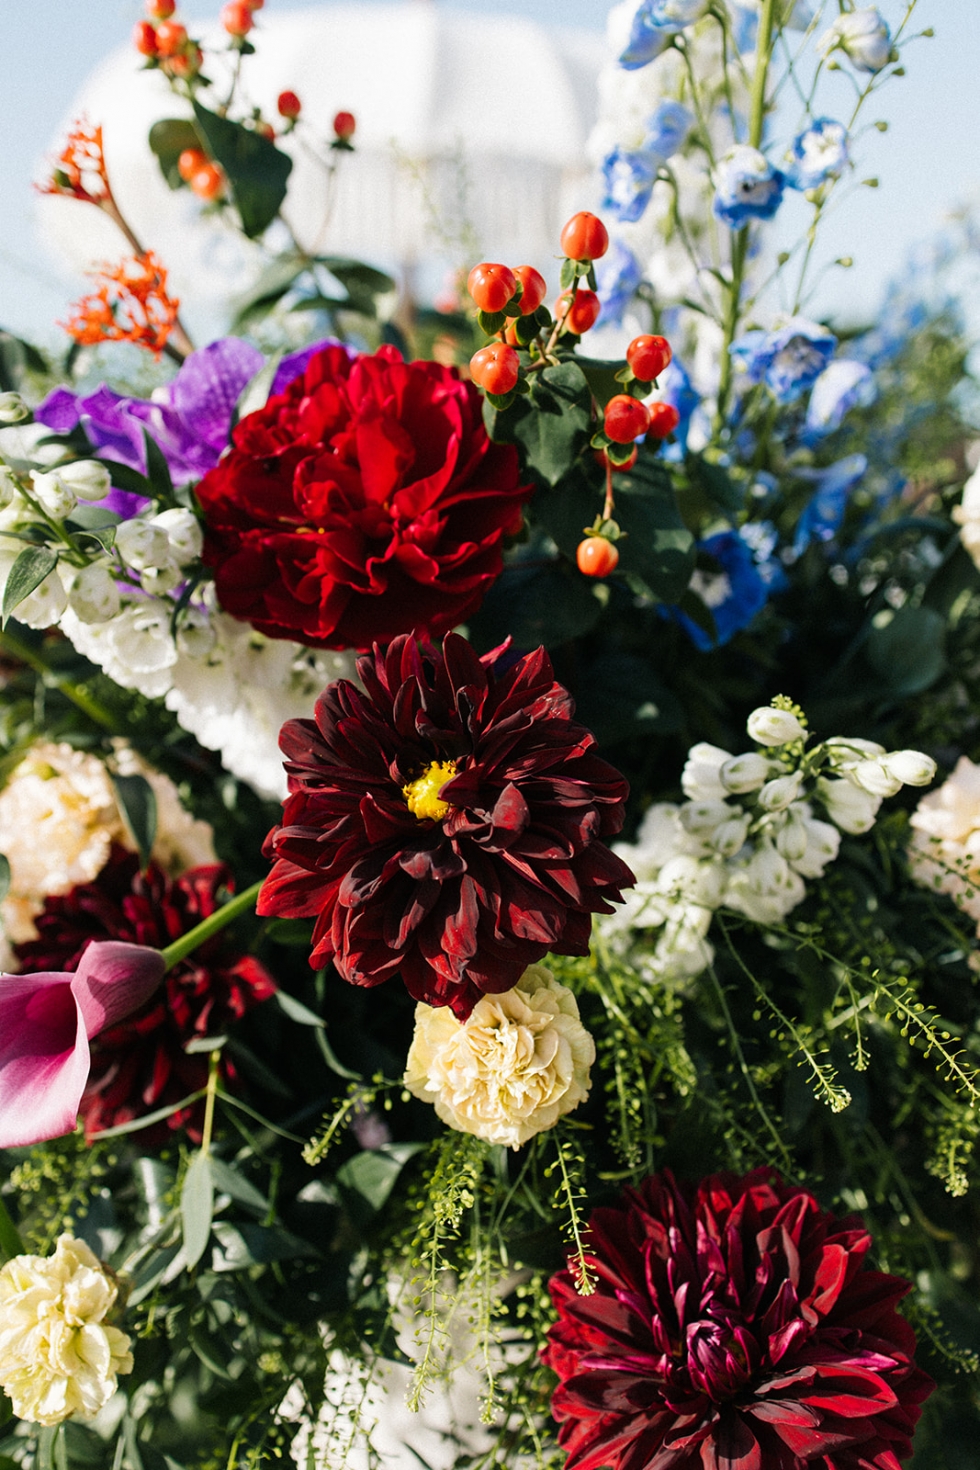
(242,903)
(608,508)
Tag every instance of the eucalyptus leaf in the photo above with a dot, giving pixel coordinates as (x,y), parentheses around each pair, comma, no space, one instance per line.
(296,1011)
(197,1207)
(29,570)
(229,1181)
(908,651)
(138,805)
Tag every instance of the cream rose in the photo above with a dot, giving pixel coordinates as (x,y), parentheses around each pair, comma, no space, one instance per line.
(945,849)
(57,1355)
(518,1063)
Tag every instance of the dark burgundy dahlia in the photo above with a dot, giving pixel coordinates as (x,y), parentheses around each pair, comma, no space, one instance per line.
(447,823)
(365,500)
(736,1326)
(141,1065)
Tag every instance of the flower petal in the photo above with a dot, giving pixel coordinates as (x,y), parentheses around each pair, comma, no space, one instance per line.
(44,1058)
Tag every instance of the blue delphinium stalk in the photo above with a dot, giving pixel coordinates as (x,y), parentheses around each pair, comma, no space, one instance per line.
(733,594)
(618,274)
(747,186)
(656,22)
(864,38)
(788,360)
(629,177)
(819,153)
(844,384)
(667,128)
(824,512)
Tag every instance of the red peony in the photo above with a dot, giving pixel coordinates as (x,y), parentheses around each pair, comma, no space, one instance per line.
(141,1065)
(735,1326)
(362,502)
(446,823)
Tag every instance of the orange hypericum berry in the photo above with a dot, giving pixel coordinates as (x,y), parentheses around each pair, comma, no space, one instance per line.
(345,126)
(495,368)
(585,237)
(289,106)
(581,314)
(664,419)
(596,557)
(171,38)
(145,38)
(265,129)
(190,161)
(535,288)
(236,17)
(208,181)
(491,285)
(625,419)
(160,9)
(648,356)
(186,63)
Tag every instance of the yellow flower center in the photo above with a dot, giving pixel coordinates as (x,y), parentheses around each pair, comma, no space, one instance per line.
(422,794)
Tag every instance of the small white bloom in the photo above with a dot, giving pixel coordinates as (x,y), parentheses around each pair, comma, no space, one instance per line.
(698,817)
(849,807)
(778,793)
(53,495)
(701,778)
(874,776)
(686,878)
(744,773)
(94,596)
(140,637)
(791,838)
(731,836)
(863,36)
(13,409)
(9,487)
(518,1063)
(157,581)
(141,544)
(195,635)
(89,478)
(764,887)
(58,1356)
(845,753)
(774,727)
(184,533)
(45,605)
(910,767)
(822,847)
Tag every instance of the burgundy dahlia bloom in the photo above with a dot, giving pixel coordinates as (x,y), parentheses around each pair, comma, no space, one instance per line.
(446,823)
(140,1065)
(363,501)
(735,1326)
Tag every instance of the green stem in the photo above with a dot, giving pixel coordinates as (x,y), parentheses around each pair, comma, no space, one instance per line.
(212,1090)
(89,706)
(213,924)
(10,1242)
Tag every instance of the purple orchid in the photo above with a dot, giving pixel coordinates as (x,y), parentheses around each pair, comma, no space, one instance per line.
(190,419)
(46,1023)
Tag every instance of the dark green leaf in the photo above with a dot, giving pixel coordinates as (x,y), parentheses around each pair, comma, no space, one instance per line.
(546,603)
(295,932)
(247,1244)
(956,576)
(271,286)
(138,805)
(714,482)
(363,283)
(371,1175)
(699,612)
(92,518)
(569,274)
(602,377)
(29,570)
(197,1207)
(229,1181)
(168,139)
(490,322)
(621,695)
(257,171)
(205,1347)
(551,426)
(4,877)
(908,652)
(16,358)
(157,470)
(658,546)
(296,1011)
(126,478)
(319,303)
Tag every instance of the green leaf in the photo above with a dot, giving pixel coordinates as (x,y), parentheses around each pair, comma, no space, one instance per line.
(547,603)
(203,1344)
(551,425)
(621,695)
(271,286)
(29,570)
(908,652)
(126,478)
(229,1181)
(490,322)
(4,877)
(569,274)
(298,1012)
(92,518)
(247,1244)
(297,933)
(168,139)
(257,171)
(157,470)
(363,283)
(602,377)
(255,394)
(138,806)
(197,1208)
(714,482)
(657,545)
(17,357)
(371,1176)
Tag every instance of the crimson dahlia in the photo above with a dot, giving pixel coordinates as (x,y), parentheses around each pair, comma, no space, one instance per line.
(736,1326)
(446,823)
(362,502)
(140,1065)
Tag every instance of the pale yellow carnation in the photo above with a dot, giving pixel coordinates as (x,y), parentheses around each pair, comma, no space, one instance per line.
(59,819)
(518,1063)
(945,849)
(57,1354)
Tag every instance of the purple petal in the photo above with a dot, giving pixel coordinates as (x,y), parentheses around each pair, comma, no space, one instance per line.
(59,411)
(294,363)
(44,1058)
(110,425)
(113,980)
(209,385)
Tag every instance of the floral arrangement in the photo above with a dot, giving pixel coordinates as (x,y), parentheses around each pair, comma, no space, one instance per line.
(470,899)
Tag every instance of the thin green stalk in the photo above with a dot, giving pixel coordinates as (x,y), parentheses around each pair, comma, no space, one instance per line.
(242,903)
(211,1092)
(10,1242)
(89,706)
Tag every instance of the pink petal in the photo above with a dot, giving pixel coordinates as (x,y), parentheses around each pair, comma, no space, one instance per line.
(44,1058)
(113,980)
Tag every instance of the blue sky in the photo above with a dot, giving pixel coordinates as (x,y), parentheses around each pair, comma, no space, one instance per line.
(927,163)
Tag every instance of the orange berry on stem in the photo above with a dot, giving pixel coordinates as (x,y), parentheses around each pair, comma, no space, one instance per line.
(186,63)
(625,419)
(495,368)
(648,356)
(236,17)
(190,162)
(581,314)
(345,125)
(289,106)
(585,237)
(664,419)
(145,38)
(208,182)
(491,285)
(535,288)
(596,557)
(171,38)
(160,9)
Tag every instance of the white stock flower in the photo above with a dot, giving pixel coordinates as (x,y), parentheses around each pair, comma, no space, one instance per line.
(53,495)
(58,1355)
(763,886)
(88,478)
(874,776)
(773,727)
(518,1063)
(777,794)
(744,773)
(94,596)
(849,807)
(183,532)
(45,605)
(141,544)
(945,850)
(13,409)
(845,753)
(863,36)
(910,767)
(701,777)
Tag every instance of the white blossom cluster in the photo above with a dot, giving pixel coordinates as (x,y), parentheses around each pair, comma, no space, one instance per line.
(748,836)
(121,603)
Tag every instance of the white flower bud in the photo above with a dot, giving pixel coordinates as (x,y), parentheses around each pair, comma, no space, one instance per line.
(730,837)
(45,605)
(845,753)
(791,839)
(875,777)
(864,36)
(744,773)
(777,794)
(184,532)
(705,816)
(700,780)
(770,726)
(94,596)
(158,580)
(53,495)
(910,767)
(195,635)
(822,847)
(849,807)
(13,409)
(9,487)
(142,544)
(89,479)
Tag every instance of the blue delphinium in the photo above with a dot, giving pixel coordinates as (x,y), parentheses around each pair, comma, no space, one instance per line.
(819,153)
(824,512)
(617,274)
(677,390)
(747,186)
(844,384)
(863,36)
(629,178)
(667,128)
(788,360)
(733,594)
(654,24)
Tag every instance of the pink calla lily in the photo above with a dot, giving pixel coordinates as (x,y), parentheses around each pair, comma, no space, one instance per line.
(46,1023)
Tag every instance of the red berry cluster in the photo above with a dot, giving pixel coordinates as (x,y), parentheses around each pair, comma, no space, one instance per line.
(205,178)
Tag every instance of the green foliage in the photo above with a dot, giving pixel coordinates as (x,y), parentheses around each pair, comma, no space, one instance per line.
(257,170)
